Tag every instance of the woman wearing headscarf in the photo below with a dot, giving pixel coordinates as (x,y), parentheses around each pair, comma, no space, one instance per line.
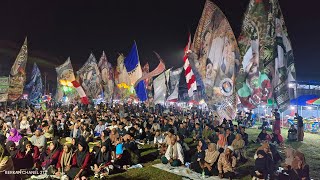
(6,164)
(299,170)
(11,148)
(263,136)
(238,146)
(14,136)
(74,144)
(80,161)
(27,155)
(102,162)
(226,163)
(65,160)
(209,164)
(289,152)
(261,168)
(222,143)
(52,155)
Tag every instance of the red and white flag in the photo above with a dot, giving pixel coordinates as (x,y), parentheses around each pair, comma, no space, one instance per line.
(190,77)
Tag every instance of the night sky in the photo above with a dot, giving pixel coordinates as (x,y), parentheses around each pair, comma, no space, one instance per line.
(76,28)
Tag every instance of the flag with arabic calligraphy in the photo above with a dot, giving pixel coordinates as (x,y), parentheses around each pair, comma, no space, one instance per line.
(18,73)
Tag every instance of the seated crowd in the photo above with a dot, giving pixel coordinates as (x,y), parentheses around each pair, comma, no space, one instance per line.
(58,140)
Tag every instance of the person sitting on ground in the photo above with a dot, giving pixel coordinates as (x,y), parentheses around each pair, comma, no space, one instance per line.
(207,131)
(80,161)
(292,133)
(75,132)
(39,140)
(209,164)
(244,135)
(65,160)
(229,136)
(197,132)
(263,136)
(28,156)
(261,168)
(121,130)
(148,136)
(131,149)
(174,154)
(14,136)
(300,169)
(226,163)
(99,128)
(52,155)
(289,153)
(200,153)
(6,164)
(222,143)
(102,162)
(238,146)
(158,138)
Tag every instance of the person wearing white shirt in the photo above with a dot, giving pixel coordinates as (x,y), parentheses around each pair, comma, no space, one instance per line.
(99,128)
(158,138)
(174,154)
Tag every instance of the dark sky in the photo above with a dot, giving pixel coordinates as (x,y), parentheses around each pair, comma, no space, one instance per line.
(76,28)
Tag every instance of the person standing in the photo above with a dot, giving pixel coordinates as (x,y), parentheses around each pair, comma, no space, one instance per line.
(276,126)
(300,127)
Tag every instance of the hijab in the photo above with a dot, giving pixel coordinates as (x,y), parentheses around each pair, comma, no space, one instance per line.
(56,148)
(75,146)
(102,157)
(12,152)
(298,158)
(289,156)
(66,156)
(81,155)
(222,140)
(211,156)
(22,144)
(16,136)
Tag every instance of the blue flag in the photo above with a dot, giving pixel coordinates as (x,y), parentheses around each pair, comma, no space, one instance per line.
(35,86)
(134,70)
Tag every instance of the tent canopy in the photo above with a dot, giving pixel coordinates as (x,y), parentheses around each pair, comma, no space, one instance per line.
(302,100)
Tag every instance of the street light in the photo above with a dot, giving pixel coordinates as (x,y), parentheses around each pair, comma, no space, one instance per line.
(309,107)
(292,107)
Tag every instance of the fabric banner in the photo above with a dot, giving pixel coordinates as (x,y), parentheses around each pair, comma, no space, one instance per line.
(64,73)
(35,86)
(90,78)
(3,97)
(158,70)
(174,84)
(160,87)
(218,55)
(107,76)
(4,85)
(18,74)
(120,76)
(267,63)
(134,70)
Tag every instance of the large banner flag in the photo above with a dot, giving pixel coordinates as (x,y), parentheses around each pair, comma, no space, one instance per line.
(4,87)
(160,87)
(134,70)
(65,77)
(158,70)
(267,59)
(120,77)
(218,55)
(190,77)
(174,84)
(107,76)
(35,86)
(90,78)
(18,73)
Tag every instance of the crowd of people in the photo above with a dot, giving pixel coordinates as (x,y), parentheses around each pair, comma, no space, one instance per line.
(57,141)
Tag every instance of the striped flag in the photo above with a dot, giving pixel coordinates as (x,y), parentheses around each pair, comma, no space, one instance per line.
(190,77)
